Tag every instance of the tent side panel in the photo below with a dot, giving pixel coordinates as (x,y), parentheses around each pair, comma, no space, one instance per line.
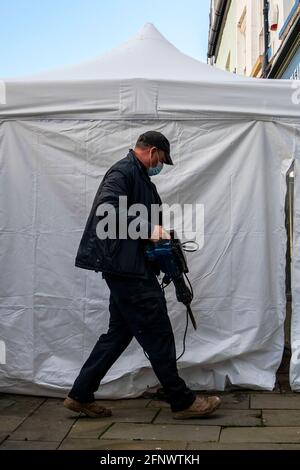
(295,326)
(229,173)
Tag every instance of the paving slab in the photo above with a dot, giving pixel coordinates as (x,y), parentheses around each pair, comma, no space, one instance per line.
(14,409)
(280,435)
(6,402)
(283,418)
(241,446)
(102,444)
(129,403)
(158,404)
(50,422)
(283,402)
(221,417)
(28,445)
(159,432)
(91,428)
(235,400)
(3,436)
(120,415)
(133,415)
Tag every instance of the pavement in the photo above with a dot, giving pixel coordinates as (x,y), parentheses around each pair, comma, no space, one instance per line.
(247,419)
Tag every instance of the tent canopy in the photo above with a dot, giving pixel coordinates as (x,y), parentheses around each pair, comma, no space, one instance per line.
(145,77)
(147,55)
(233,140)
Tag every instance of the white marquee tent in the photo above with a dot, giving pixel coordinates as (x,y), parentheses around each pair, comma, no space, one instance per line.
(233,140)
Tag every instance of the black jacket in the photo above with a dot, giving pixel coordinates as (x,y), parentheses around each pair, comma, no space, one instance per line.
(128,177)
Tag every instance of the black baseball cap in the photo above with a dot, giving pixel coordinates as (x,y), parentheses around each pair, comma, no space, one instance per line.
(156,139)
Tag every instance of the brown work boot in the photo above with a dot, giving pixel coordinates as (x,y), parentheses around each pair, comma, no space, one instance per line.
(93,409)
(201,407)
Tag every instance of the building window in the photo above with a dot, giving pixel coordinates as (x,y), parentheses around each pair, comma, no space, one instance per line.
(296,73)
(262,42)
(274,16)
(241,45)
(228,62)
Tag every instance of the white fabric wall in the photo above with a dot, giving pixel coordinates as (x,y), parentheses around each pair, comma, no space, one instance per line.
(295,326)
(52,312)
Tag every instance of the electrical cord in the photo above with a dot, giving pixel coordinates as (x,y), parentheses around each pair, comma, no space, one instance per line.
(163,287)
(189,247)
(184,337)
(183,341)
(190,285)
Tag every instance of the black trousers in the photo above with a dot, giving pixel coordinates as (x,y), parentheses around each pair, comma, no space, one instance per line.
(137,309)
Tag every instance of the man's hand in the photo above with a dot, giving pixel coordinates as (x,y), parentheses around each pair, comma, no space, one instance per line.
(159,233)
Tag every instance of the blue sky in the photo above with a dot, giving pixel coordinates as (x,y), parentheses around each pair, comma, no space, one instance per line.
(38,35)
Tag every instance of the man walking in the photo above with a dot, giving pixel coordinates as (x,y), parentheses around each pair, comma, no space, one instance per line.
(137,304)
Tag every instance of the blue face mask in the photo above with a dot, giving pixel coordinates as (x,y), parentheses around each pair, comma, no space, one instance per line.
(155,170)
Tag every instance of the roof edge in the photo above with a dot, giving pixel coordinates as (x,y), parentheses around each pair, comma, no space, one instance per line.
(217,24)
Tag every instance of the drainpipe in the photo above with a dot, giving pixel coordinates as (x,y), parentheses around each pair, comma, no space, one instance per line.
(267,37)
(215,28)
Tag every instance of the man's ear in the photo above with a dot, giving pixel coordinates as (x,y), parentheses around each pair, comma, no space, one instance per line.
(153,151)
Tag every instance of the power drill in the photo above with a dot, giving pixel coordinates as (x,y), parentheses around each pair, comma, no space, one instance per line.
(171,260)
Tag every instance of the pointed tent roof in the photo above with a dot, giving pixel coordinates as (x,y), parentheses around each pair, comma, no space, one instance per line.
(147,78)
(147,55)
